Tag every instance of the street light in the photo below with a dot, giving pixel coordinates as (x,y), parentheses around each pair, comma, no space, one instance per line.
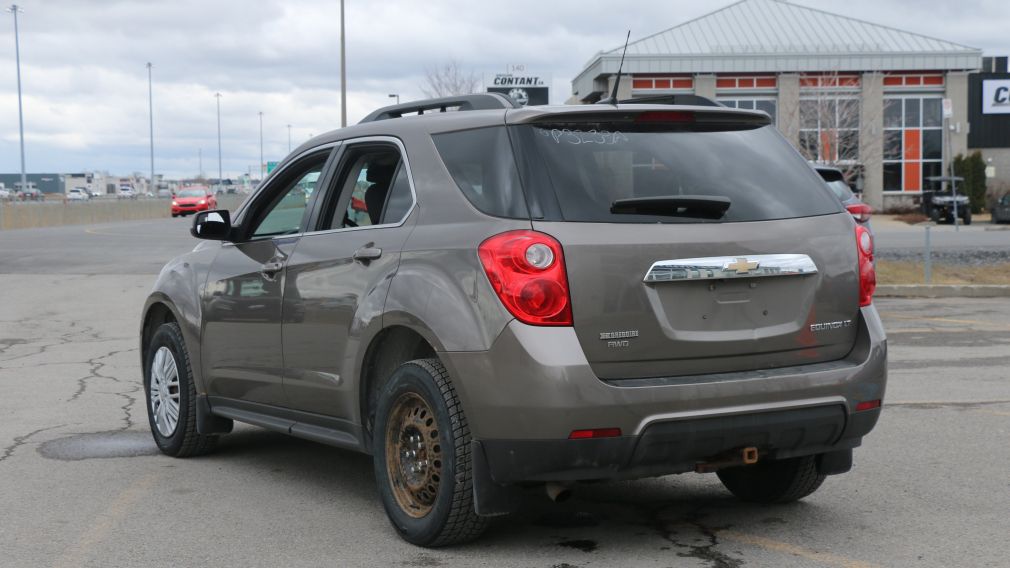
(289,138)
(343,72)
(14,9)
(394,95)
(150,114)
(220,175)
(261,145)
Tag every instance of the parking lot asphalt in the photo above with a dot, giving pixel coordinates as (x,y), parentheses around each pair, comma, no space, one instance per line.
(81,483)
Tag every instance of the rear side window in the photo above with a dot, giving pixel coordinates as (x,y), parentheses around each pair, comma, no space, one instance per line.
(577,171)
(481,163)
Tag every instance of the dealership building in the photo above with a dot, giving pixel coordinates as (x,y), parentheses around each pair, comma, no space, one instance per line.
(865,97)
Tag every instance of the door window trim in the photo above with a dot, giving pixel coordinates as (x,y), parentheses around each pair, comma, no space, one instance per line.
(334,182)
(266,187)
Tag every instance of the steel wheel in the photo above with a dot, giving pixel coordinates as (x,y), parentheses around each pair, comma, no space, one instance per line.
(413,455)
(165,391)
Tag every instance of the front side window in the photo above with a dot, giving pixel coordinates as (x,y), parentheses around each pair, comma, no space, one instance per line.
(284,214)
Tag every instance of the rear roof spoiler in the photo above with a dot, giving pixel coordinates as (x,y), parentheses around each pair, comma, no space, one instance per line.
(685,100)
(480,101)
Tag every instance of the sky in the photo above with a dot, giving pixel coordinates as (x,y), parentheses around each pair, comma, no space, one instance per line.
(85,87)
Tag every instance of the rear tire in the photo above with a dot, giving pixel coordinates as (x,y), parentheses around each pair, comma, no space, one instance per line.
(779,481)
(421,455)
(172,395)
(934,216)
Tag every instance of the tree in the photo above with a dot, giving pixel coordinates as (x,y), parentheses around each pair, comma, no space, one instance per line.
(449,80)
(972,169)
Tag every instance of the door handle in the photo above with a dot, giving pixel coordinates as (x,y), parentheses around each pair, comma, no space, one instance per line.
(366,253)
(271,268)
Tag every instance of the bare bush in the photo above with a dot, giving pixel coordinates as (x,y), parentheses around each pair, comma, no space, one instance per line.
(449,80)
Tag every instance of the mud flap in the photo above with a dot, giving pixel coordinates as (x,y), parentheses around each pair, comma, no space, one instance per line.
(834,463)
(490,499)
(207,423)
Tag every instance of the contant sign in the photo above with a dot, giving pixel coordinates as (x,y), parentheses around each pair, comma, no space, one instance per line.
(996,96)
(525,89)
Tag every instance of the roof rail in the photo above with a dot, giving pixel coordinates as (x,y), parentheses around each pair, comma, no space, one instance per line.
(688,100)
(479,101)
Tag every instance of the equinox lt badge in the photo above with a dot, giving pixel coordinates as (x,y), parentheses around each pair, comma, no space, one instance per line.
(830,325)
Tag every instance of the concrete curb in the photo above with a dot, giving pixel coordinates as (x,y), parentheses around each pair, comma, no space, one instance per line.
(943,291)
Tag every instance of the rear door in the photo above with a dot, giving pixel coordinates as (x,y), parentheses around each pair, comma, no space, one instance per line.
(678,287)
(339,274)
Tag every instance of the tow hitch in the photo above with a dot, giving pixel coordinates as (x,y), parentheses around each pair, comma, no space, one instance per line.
(732,458)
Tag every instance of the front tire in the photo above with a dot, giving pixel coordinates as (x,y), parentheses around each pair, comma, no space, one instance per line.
(778,481)
(422,461)
(171,395)
(966,219)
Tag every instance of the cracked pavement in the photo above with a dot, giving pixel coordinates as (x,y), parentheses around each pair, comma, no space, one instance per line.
(80,484)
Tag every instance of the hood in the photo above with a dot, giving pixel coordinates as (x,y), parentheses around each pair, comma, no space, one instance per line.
(190,200)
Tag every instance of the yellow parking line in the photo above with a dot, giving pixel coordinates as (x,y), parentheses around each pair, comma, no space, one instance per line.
(886,315)
(107,521)
(786,548)
(993,412)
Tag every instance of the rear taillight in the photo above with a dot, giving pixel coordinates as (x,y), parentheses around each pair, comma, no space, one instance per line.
(527,271)
(867,274)
(861,212)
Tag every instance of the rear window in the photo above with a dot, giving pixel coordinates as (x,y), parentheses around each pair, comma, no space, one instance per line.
(576,171)
(480,161)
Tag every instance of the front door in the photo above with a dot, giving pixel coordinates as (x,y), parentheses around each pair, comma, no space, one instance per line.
(339,275)
(242,355)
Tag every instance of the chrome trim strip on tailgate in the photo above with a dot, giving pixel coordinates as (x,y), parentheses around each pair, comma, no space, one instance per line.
(723,267)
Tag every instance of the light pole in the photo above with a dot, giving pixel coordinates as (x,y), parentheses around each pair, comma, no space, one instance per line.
(150,114)
(14,9)
(394,95)
(199,157)
(343,71)
(261,145)
(220,175)
(289,138)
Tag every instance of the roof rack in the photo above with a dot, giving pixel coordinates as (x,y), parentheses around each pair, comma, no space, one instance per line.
(687,100)
(480,101)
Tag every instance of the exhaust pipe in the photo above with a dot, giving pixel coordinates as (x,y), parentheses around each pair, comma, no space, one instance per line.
(558,492)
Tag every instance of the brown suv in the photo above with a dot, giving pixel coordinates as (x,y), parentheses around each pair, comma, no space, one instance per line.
(501,296)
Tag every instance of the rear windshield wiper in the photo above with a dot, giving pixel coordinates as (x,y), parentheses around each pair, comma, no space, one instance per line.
(697,206)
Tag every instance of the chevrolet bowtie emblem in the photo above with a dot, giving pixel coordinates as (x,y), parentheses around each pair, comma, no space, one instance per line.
(742,266)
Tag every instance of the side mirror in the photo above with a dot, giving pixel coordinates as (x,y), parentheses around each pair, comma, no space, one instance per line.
(212,225)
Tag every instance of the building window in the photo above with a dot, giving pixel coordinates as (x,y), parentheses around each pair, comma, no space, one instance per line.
(767,82)
(767,104)
(829,129)
(665,83)
(913,142)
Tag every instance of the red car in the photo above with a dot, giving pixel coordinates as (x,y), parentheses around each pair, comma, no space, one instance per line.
(192,199)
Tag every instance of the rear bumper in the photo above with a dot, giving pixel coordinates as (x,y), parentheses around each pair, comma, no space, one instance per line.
(676,446)
(526,394)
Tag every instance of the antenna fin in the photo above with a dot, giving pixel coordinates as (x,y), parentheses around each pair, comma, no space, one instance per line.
(617,82)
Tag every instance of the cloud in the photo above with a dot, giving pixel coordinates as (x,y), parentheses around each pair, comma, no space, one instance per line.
(85,80)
